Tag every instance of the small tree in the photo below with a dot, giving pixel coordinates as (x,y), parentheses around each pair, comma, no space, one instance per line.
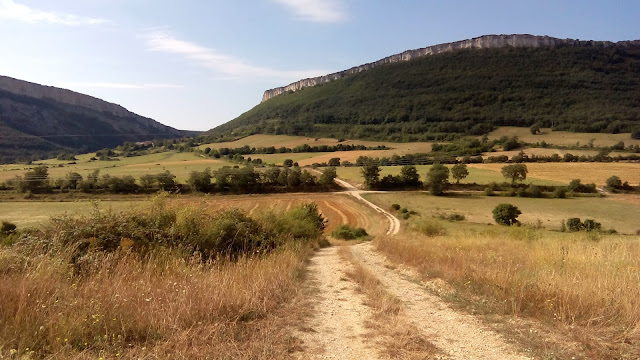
(506,214)
(409,175)
(515,172)
(371,174)
(438,179)
(200,180)
(328,176)
(614,182)
(534,129)
(288,163)
(459,172)
(334,162)
(574,224)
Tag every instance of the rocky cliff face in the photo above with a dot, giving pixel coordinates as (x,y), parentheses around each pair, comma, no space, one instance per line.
(38,121)
(482,42)
(68,97)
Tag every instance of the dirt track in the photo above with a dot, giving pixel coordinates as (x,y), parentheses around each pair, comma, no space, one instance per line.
(337,328)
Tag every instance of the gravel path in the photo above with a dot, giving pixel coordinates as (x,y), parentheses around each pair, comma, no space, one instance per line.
(460,336)
(337,329)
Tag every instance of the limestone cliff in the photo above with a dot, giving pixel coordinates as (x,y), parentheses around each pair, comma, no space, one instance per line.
(482,42)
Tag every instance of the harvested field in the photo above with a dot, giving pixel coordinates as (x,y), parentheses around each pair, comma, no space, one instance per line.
(597,173)
(562,137)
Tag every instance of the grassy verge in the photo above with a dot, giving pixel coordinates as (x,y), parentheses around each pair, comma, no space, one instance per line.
(68,293)
(401,339)
(589,290)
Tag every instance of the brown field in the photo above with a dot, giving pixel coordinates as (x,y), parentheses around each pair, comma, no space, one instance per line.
(562,137)
(597,173)
(337,208)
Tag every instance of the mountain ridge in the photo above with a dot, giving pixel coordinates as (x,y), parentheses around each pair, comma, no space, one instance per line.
(39,121)
(481,42)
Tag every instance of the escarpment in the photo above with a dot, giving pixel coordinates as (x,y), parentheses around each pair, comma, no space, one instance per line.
(482,42)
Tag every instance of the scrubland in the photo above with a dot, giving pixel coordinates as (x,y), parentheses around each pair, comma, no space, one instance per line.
(167,282)
(584,285)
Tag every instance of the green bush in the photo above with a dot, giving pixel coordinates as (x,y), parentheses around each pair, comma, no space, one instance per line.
(451,217)
(347,232)
(404,210)
(488,191)
(560,193)
(574,224)
(534,191)
(7,228)
(189,230)
(429,228)
(506,214)
(395,207)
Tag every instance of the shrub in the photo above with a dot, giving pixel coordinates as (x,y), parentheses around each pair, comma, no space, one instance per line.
(534,191)
(506,214)
(452,217)
(488,191)
(614,182)
(511,192)
(404,210)
(7,228)
(591,225)
(347,232)
(429,228)
(395,206)
(560,193)
(574,224)
(522,192)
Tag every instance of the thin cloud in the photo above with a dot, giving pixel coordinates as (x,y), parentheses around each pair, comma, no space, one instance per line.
(320,11)
(110,85)
(163,41)
(9,9)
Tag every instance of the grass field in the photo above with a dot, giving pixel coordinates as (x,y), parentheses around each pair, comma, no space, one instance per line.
(562,137)
(476,175)
(597,173)
(337,208)
(618,215)
(179,164)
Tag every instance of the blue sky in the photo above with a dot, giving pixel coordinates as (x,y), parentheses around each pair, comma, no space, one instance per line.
(197,64)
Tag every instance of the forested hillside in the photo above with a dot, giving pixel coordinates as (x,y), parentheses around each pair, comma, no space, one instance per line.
(466,92)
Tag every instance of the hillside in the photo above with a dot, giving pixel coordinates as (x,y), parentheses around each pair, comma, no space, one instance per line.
(38,121)
(564,84)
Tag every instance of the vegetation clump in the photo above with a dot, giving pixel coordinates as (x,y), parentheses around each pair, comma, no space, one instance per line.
(506,214)
(347,232)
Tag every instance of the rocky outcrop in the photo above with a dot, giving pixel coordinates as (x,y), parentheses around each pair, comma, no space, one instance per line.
(482,42)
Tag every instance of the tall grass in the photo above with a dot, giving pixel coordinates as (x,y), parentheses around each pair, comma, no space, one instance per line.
(156,304)
(570,280)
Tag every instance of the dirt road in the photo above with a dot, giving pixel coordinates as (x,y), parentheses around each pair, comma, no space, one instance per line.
(337,329)
(394,223)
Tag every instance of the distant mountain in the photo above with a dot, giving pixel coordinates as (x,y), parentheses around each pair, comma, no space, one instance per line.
(462,88)
(38,121)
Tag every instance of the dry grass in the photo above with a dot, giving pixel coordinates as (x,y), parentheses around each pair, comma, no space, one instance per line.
(163,307)
(597,173)
(401,339)
(590,290)
(562,137)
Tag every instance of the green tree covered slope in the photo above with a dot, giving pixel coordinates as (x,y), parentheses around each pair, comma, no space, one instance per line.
(584,89)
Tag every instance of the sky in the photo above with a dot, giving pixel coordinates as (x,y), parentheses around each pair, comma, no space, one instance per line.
(194,65)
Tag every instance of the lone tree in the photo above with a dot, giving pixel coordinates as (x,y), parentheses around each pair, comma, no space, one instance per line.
(288,163)
(459,172)
(334,161)
(515,172)
(506,214)
(371,174)
(534,129)
(438,179)
(614,182)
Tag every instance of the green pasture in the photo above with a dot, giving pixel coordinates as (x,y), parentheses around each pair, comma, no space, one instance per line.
(621,216)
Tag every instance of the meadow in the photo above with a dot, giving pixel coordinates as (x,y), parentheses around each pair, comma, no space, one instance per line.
(179,164)
(596,173)
(562,137)
(612,213)
(583,287)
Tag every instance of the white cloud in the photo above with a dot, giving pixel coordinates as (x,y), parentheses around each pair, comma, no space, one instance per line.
(321,11)
(163,41)
(111,85)
(9,9)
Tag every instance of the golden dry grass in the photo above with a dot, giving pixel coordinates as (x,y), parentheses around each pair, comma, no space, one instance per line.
(562,137)
(590,290)
(164,307)
(597,173)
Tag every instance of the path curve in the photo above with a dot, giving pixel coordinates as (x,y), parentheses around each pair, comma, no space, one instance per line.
(394,223)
